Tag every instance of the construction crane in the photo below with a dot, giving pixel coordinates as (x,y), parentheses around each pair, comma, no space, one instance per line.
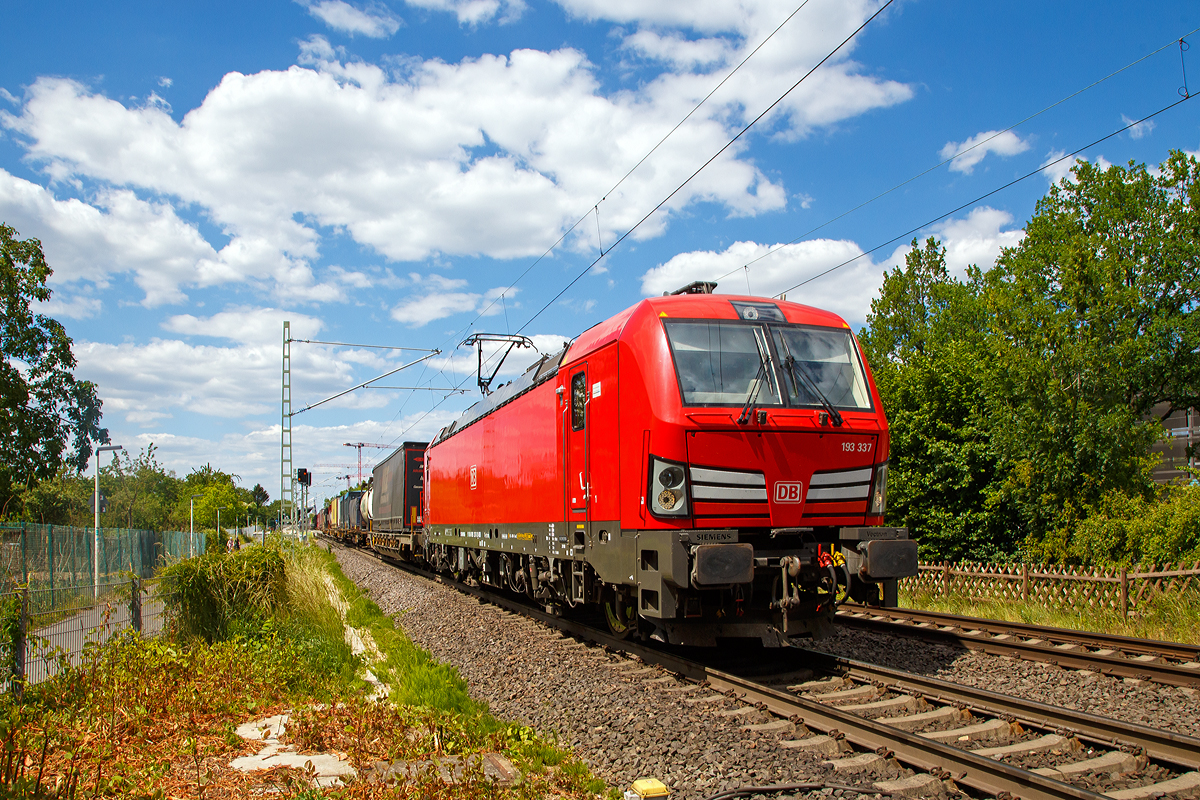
(359,446)
(347,476)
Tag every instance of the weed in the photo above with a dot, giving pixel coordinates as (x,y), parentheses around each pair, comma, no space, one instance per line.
(1172,617)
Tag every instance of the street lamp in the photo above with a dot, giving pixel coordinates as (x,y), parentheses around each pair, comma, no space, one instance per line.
(96,542)
(219,521)
(192,523)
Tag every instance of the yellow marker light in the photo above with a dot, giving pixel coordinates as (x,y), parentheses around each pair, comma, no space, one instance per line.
(648,787)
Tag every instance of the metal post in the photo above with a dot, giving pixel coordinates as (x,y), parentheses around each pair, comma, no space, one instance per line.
(50,560)
(96,499)
(1124,593)
(24,547)
(135,603)
(18,682)
(287,505)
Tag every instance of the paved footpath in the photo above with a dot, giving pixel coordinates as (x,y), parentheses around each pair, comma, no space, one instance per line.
(98,624)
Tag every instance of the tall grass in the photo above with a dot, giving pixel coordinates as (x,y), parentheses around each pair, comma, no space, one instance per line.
(1171,617)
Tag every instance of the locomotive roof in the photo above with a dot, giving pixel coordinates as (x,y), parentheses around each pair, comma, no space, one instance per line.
(685,306)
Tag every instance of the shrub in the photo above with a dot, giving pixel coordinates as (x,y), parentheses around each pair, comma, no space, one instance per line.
(1125,530)
(217,594)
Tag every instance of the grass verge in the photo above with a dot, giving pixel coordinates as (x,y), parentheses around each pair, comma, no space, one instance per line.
(1173,617)
(155,718)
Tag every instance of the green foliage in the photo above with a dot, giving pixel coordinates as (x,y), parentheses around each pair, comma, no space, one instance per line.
(48,419)
(215,595)
(924,344)
(1090,329)
(1019,399)
(1129,530)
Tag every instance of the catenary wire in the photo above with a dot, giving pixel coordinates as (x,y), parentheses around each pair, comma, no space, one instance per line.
(715,156)
(984,196)
(595,207)
(942,163)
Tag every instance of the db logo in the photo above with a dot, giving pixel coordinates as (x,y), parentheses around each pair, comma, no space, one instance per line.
(789,492)
(474,479)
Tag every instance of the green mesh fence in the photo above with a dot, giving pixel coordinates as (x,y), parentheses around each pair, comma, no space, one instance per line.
(64,557)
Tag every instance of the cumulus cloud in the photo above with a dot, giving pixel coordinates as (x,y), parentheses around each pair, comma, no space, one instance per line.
(846,291)
(977,239)
(976,148)
(475,12)
(847,294)
(1139,130)
(374,21)
(1061,169)
(438,298)
(676,50)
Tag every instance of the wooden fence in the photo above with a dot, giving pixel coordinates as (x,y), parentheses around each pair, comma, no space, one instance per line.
(1119,589)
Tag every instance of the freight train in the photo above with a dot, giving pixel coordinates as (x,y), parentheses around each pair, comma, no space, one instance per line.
(698,467)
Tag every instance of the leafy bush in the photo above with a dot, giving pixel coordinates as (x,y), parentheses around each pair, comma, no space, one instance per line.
(1125,530)
(216,595)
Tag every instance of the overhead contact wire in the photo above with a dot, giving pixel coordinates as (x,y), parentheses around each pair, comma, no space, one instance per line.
(998,189)
(961,153)
(714,157)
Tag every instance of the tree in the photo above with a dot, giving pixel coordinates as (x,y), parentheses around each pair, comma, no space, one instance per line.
(141,493)
(924,341)
(48,419)
(1091,326)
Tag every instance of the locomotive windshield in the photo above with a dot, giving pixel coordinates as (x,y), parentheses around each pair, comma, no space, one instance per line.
(718,362)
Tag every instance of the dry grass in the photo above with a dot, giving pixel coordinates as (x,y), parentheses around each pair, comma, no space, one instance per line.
(156,718)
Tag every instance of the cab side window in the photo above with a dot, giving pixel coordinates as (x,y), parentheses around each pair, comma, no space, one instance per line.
(578,400)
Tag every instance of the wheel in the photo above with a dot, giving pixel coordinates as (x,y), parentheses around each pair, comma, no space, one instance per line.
(621,621)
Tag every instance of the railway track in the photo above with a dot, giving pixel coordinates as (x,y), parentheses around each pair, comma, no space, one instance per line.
(862,718)
(1167,663)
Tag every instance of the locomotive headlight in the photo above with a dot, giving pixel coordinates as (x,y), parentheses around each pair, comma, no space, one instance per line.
(671,477)
(668,488)
(879,491)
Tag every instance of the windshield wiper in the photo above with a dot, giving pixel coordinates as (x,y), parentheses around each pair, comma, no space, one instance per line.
(755,385)
(796,371)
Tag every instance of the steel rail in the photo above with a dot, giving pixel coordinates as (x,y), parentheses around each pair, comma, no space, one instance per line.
(1071,651)
(1175,749)
(979,773)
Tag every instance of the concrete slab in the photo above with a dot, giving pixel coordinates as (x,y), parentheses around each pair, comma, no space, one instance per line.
(864,762)
(994,730)
(1116,761)
(924,785)
(914,722)
(863,693)
(1051,741)
(780,726)
(897,704)
(822,745)
(1186,782)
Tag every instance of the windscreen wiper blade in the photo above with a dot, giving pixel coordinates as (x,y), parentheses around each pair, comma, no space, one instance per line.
(798,371)
(755,385)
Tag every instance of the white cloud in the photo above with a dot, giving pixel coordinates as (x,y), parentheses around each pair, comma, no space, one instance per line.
(475,12)
(439,300)
(1139,130)
(848,293)
(977,239)
(375,21)
(1062,169)
(677,50)
(165,82)
(976,148)
(849,289)
(69,306)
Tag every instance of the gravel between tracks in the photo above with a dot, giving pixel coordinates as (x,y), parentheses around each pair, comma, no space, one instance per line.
(625,726)
(1166,707)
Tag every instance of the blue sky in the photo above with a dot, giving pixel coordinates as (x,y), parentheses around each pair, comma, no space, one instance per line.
(384,173)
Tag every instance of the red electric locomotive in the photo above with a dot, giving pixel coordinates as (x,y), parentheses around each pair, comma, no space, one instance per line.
(699,466)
